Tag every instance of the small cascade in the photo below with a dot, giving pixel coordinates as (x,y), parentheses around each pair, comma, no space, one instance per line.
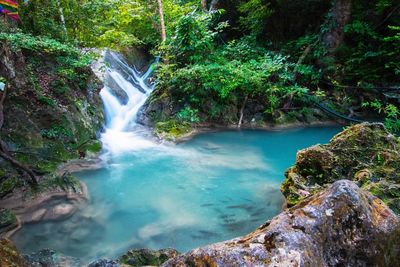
(125,92)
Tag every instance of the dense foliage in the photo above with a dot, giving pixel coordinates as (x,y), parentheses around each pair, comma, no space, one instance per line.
(271,53)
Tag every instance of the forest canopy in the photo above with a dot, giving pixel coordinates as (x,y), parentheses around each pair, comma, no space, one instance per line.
(216,54)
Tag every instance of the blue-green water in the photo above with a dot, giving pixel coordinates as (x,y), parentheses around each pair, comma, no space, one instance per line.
(214,187)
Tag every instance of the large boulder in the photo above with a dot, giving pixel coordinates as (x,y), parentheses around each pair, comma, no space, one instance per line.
(340,226)
(365,153)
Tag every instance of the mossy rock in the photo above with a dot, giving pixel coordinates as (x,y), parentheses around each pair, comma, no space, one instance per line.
(365,153)
(8,185)
(65,182)
(93,146)
(172,129)
(8,220)
(147,257)
(7,217)
(9,256)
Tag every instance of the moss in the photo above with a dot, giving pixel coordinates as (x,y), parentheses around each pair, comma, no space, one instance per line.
(94,146)
(172,129)
(64,182)
(43,123)
(147,257)
(9,256)
(7,217)
(8,186)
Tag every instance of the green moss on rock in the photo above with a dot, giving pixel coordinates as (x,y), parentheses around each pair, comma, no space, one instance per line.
(44,125)
(147,257)
(365,153)
(7,218)
(172,129)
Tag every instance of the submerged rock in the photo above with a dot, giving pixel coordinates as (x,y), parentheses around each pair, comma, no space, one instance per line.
(145,257)
(50,258)
(341,226)
(365,153)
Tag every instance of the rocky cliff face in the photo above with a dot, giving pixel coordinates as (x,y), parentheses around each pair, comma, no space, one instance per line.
(48,118)
(341,226)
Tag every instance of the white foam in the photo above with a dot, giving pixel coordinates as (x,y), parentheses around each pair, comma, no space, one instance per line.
(121,134)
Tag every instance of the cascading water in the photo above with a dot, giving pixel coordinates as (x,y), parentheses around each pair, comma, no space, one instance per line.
(125,92)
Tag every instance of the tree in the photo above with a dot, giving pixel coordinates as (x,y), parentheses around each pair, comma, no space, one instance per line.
(214,5)
(204,5)
(162,23)
(62,18)
(333,31)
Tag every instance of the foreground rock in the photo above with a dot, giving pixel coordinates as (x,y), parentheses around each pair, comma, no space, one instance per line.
(9,256)
(365,153)
(342,226)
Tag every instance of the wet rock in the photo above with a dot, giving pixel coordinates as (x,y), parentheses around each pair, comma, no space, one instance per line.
(47,121)
(147,257)
(9,256)
(104,263)
(365,153)
(50,258)
(340,226)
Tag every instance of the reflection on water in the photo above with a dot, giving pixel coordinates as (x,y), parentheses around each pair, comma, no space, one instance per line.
(212,188)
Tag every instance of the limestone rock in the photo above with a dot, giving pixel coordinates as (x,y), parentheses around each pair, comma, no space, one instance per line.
(365,153)
(340,226)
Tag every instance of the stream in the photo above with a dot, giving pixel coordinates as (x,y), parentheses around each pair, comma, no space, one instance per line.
(214,187)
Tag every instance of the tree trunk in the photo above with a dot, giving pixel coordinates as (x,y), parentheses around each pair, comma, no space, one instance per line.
(62,18)
(214,5)
(204,5)
(339,15)
(160,10)
(242,111)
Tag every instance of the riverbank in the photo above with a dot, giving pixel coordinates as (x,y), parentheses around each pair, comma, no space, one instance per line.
(207,128)
(54,203)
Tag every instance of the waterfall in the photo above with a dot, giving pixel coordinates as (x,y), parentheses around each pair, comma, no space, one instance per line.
(125,92)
